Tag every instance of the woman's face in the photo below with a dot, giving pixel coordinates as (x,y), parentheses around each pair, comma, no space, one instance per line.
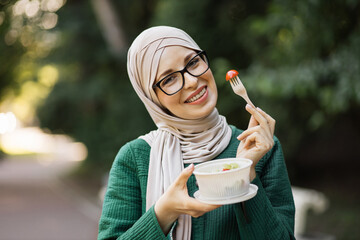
(198,97)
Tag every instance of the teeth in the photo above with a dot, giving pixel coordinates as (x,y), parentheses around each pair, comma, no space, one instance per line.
(197,96)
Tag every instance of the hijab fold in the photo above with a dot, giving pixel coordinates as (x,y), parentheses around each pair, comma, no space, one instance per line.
(177,141)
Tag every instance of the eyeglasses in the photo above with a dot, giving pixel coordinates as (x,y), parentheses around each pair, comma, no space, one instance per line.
(175,81)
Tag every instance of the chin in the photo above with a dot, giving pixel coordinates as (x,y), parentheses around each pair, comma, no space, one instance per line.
(205,110)
(197,114)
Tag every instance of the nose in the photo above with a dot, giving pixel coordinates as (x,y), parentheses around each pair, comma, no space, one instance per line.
(190,81)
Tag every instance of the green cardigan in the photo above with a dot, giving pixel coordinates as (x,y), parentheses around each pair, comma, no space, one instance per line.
(269,215)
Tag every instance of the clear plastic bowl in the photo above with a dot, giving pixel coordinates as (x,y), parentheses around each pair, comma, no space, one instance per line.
(217,184)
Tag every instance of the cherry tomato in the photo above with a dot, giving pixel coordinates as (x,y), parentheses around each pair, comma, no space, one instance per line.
(231,74)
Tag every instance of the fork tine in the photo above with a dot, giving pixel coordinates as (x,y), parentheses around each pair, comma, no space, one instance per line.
(240,90)
(234,80)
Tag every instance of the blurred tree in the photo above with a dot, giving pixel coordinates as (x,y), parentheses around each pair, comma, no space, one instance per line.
(308,73)
(110,26)
(9,56)
(94,101)
(298,59)
(26,39)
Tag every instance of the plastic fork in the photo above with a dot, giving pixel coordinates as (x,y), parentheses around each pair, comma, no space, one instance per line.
(238,86)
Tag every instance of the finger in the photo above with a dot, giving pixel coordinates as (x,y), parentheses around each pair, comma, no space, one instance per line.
(253,122)
(248,142)
(260,141)
(261,119)
(195,205)
(270,120)
(184,175)
(257,115)
(260,129)
(252,139)
(270,123)
(249,131)
(266,133)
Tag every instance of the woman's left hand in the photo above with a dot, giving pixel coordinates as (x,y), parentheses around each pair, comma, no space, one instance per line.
(176,201)
(257,140)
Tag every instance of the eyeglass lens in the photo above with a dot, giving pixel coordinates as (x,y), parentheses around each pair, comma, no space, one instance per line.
(197,66)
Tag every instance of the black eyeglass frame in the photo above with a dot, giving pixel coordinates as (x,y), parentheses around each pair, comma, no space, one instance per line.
(182,73)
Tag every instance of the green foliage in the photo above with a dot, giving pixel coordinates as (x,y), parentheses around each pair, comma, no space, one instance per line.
(93,100)
(312,67)
(298,59)
(10,55)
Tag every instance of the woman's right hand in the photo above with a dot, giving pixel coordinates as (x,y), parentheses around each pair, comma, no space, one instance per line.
(258,139)
(176,201)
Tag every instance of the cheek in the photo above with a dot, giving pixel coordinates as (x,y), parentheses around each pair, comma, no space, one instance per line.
(168,102)
(172,103)
(210,78)
(212,85)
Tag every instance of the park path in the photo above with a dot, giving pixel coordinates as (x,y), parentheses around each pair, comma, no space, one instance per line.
(36,205)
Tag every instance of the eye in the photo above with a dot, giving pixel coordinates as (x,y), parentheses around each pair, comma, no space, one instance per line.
(168,80)
(194,62)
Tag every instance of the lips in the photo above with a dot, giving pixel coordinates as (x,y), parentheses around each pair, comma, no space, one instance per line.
(198,94)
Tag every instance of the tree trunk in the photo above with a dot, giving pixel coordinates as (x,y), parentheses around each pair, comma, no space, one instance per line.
(110,26)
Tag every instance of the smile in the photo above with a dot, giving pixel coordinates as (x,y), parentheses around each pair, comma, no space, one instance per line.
(198,96)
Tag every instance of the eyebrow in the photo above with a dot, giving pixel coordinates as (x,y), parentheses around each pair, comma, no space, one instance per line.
(170,70)
(165,74)
(189,56)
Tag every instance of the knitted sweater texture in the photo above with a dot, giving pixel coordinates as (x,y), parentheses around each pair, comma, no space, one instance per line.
(269,215)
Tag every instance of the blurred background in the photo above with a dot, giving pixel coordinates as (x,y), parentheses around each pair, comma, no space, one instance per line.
(67,105)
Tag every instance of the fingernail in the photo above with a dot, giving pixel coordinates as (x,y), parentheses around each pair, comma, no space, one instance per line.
(249,106)
(188,168)
(259,109)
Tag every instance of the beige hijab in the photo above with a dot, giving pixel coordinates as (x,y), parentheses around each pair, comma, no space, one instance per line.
(177,141)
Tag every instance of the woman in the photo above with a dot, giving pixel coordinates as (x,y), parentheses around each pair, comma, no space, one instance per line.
(151,186)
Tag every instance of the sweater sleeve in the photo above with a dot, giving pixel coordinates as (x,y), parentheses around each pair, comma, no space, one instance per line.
(270,214)
(122,216)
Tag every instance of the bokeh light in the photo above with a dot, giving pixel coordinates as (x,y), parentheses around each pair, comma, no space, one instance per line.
(49,20)
(32,8)
(7,122)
